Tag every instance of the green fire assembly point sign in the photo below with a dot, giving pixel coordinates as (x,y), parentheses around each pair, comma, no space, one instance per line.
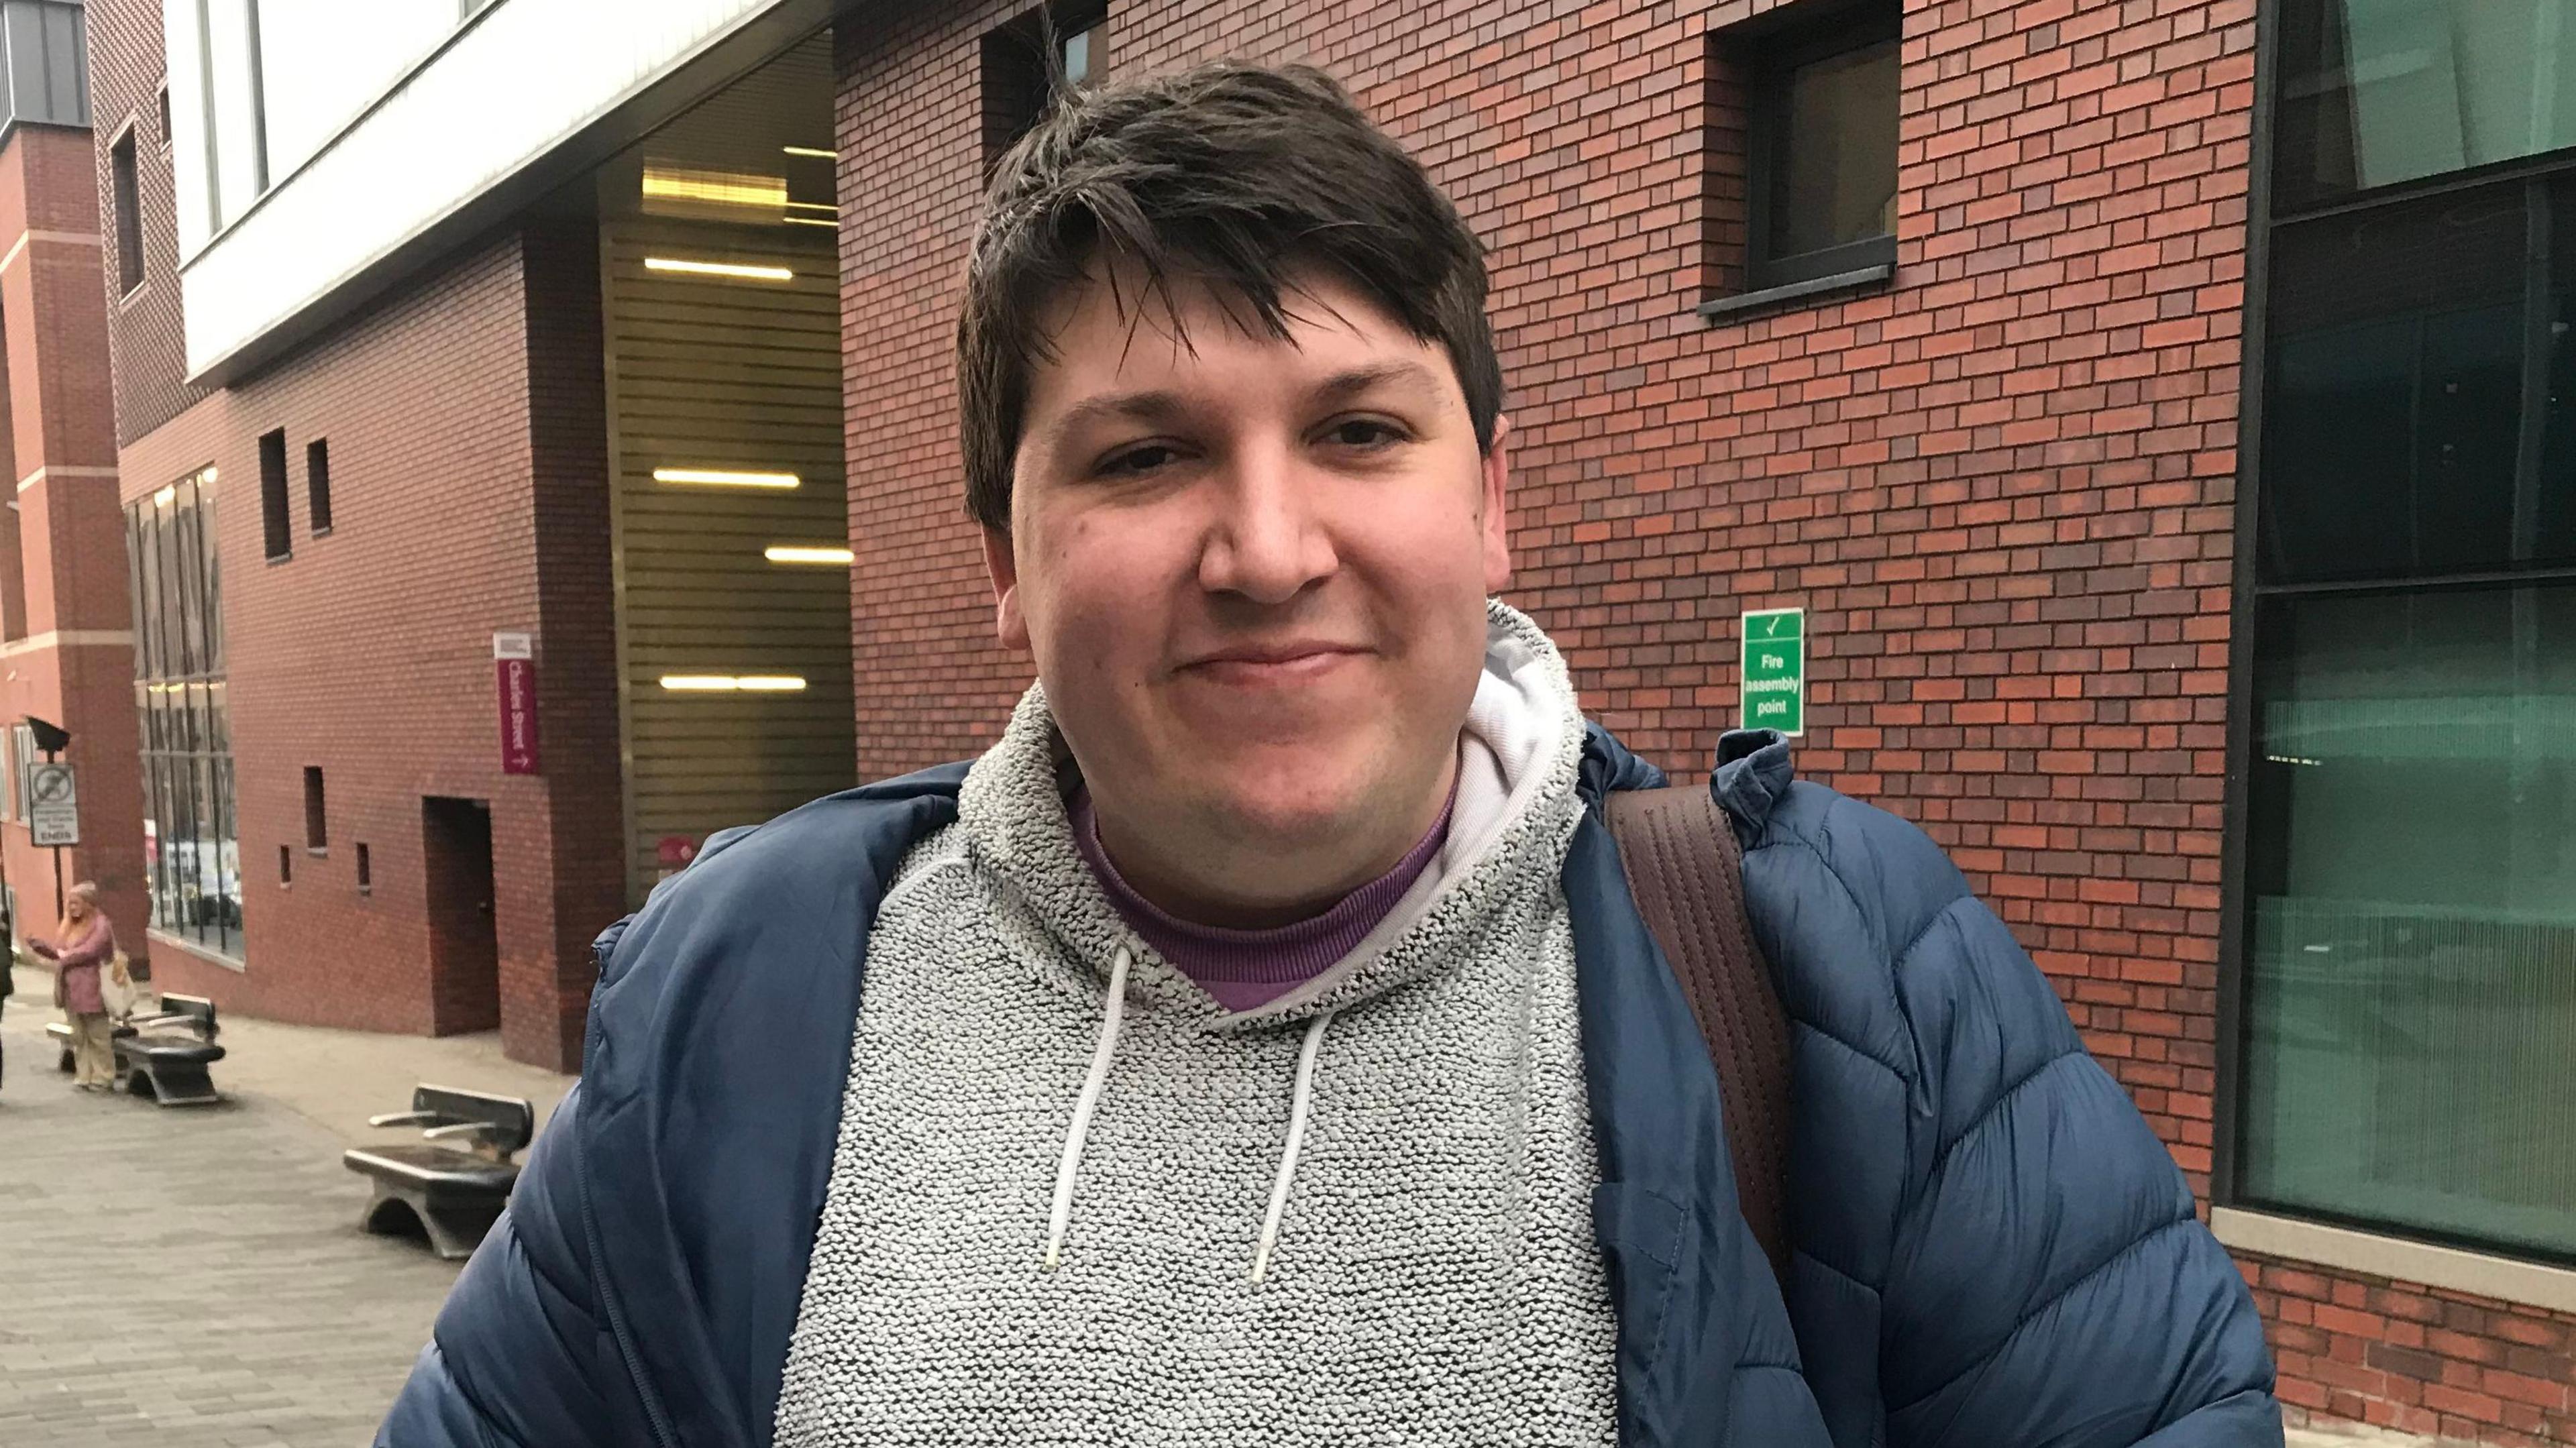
(1775,670)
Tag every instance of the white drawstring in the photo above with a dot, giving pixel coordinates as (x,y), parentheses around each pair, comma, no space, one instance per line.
(1305,1093)
(1300,1100)
(1082,1109)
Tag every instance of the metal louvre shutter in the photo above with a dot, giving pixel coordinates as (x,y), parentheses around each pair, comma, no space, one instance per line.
(712,372)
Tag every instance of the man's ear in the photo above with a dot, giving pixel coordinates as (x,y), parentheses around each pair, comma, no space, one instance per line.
(1496,469)
(1004,565)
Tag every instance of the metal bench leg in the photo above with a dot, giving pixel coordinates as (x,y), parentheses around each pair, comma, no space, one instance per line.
(180,1083)
(455,1231)
(389,1213)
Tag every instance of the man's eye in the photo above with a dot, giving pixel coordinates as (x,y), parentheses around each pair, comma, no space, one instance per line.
(1136,460)
(1363,432)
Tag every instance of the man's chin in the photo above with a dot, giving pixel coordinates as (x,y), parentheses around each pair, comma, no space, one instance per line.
(1310,819)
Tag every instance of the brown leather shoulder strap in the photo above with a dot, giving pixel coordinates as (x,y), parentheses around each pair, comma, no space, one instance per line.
(1687,874)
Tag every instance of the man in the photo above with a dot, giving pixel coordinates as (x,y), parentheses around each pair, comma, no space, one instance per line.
(1258,1044)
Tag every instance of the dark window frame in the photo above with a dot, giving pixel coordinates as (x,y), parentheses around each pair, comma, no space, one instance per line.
(317,485)
(125,199)
(277,525)
(1771,61)
(1015,71)
(2269,211)
(317,816)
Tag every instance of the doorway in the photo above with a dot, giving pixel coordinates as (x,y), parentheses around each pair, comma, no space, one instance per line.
(464,938)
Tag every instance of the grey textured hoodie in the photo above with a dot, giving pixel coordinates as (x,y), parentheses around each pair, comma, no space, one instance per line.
(1075,1201)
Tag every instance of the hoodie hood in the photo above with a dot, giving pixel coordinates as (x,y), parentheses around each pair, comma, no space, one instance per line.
(1520,751)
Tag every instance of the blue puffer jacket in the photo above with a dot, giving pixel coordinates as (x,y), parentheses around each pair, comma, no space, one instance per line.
(1991,1248)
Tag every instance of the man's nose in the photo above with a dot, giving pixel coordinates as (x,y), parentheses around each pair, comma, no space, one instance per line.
(1265,540)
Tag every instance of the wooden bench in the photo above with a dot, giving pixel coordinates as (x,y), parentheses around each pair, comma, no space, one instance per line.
(165,1055)
(453,1183)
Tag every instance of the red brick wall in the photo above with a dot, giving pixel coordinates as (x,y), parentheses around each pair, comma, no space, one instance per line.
(125,77)
(576,623)
(2420,1360)
(66,659)
(2003,489)
(367,652)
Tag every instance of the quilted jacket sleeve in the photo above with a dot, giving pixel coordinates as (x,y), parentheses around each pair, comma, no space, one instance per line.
(520,1356)
(2047,1281)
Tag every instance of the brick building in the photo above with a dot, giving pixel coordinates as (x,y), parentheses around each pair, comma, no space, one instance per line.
(65,650)
(453,494)
(2151,403)
(1985,424)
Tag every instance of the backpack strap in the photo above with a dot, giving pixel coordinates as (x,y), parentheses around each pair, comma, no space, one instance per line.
(1687,873)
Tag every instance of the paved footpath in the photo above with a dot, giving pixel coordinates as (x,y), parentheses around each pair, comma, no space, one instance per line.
(196,1278)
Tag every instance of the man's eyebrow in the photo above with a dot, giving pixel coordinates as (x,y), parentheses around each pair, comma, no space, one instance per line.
(1162,406)
(1150,406)
(1344,385)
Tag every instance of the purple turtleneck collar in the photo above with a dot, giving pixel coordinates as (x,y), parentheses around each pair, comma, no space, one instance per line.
(1248,968)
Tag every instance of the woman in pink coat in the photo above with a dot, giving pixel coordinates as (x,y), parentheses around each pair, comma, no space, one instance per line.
(85,945)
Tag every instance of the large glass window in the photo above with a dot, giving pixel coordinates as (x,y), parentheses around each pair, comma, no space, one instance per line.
(2409,982)
(2412,970)
(2377,92)
(191,841)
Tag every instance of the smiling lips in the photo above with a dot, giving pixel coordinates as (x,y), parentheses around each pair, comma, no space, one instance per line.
(1261,665)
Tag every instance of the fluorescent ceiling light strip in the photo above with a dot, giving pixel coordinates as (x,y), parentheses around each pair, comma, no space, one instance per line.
(725,478)
(806,553)
(720,187)
(816,152)
(687,267)
(733,683)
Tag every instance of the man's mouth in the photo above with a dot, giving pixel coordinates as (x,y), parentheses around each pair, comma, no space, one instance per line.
(1286,662)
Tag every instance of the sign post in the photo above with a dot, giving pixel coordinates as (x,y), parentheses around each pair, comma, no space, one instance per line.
(53,814)
(1775,670)
(514,668)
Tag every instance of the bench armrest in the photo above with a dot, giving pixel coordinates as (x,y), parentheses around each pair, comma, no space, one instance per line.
(402,1118)
(462,1128)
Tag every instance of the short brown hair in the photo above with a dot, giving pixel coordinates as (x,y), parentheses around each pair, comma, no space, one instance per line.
(1228,174)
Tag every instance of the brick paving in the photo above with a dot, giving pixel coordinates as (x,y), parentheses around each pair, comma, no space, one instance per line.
(196,1278)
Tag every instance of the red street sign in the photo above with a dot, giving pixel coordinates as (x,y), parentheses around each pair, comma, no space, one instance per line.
(515,668)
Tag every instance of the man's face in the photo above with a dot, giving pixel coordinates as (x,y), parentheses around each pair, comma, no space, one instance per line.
(1252,572)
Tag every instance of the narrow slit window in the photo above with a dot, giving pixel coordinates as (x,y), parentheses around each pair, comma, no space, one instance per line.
(317,483)
(316,836)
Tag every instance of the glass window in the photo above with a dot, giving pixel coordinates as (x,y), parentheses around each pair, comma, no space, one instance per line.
(127,201)
(2392,418)
(275,526)
(189,833)
(2375,92)
(1834,162)
(1823,148)
(1018,77)
(2411,882)
(1075,55)
(22,768)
